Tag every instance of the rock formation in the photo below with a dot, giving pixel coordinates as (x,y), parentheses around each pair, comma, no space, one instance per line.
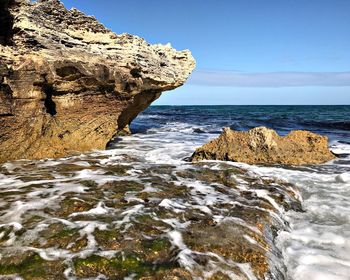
(264,146)
(68,84)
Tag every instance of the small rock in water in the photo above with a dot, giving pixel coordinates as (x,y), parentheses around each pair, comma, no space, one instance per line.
(198,130)
(264,146)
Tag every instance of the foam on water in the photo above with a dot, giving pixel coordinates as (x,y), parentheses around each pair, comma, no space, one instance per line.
(100,209)
(315,243)
(318,245)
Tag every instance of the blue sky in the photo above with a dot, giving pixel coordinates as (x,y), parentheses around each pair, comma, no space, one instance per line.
(247,51)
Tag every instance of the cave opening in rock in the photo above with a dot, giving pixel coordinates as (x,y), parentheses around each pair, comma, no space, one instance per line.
(50,105)
(6,23)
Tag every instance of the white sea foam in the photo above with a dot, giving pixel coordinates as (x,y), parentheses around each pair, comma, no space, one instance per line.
(265,194)
(316,247)
(14,227)
(88,228)
(343,178)
(100,209)
(173,205)
(128,214)
(340,148)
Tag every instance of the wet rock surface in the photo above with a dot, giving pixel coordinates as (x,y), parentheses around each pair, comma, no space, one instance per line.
(68,84)
(264,146)
(111,214)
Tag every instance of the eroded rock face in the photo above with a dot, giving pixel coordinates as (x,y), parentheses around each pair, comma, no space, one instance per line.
(68,84)
(264,146)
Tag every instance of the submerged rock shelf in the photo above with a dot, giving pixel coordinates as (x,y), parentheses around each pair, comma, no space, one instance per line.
(112,214)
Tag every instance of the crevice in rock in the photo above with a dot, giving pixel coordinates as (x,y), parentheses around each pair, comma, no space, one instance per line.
(136,73)
(6,91)
(7,115)
(67,71)
(5,100)
(50,105)
(6,23)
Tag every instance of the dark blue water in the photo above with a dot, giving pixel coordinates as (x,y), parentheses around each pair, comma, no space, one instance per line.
(333,121)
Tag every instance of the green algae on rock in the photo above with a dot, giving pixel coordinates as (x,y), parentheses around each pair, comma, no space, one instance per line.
(204,220)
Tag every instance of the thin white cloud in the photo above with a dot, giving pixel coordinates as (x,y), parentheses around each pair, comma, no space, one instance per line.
(271,79)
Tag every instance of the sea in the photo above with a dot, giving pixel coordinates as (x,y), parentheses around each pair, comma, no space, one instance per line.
(140,208)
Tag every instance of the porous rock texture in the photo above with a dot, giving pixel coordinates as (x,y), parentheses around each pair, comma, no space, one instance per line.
(68,84)
(261,145)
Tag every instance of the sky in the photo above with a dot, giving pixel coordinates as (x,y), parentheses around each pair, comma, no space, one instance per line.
(247,51)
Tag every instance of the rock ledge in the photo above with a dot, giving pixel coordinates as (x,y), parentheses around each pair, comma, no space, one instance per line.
(264,146)
(68,84)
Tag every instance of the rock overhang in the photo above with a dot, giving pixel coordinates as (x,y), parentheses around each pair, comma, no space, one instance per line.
(69,84)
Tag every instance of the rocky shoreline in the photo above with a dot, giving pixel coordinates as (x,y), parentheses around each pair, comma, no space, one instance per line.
(68,84)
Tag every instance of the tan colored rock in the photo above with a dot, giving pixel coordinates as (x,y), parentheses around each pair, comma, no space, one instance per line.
(68,84)
(264,146)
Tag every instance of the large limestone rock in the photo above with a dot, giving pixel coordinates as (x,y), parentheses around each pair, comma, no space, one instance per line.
(264,146)
(68,84)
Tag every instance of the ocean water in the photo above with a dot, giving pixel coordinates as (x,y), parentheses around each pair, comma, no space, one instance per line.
(85,216)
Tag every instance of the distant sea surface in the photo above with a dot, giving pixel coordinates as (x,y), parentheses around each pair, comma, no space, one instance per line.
(333,121)
(142,182)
